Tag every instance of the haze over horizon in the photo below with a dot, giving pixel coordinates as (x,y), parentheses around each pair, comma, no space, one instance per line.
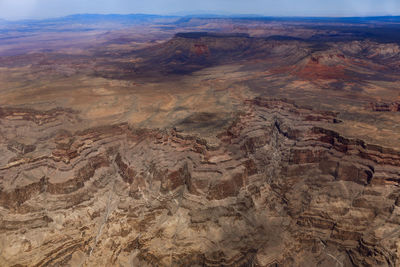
(36,9)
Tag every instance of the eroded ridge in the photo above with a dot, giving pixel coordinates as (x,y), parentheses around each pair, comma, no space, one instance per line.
(279,189)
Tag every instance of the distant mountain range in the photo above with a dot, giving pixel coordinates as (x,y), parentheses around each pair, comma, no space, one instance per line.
(129,18)
(384,28)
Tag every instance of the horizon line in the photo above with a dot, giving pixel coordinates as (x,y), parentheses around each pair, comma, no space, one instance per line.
(205,15)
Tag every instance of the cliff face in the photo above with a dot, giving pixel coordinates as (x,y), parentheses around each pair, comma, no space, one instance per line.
(280,188)
(186,53)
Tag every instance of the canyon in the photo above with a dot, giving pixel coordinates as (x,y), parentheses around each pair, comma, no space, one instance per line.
(201,142)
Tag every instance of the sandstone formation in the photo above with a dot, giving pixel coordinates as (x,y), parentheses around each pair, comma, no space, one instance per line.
(279,189)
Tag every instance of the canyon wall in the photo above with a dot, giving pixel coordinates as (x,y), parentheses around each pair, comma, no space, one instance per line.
(279,189)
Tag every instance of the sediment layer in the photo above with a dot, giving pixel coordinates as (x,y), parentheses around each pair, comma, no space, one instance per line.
(279,188)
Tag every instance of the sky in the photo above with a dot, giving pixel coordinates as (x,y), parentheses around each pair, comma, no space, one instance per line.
(27,9)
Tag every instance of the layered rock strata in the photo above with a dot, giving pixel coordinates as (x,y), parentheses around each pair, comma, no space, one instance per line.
(280,189)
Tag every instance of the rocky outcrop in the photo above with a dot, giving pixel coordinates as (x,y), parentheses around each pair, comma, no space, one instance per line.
(279,189)
(385,106)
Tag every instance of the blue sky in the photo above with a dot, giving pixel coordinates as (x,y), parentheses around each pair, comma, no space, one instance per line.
(21,9)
